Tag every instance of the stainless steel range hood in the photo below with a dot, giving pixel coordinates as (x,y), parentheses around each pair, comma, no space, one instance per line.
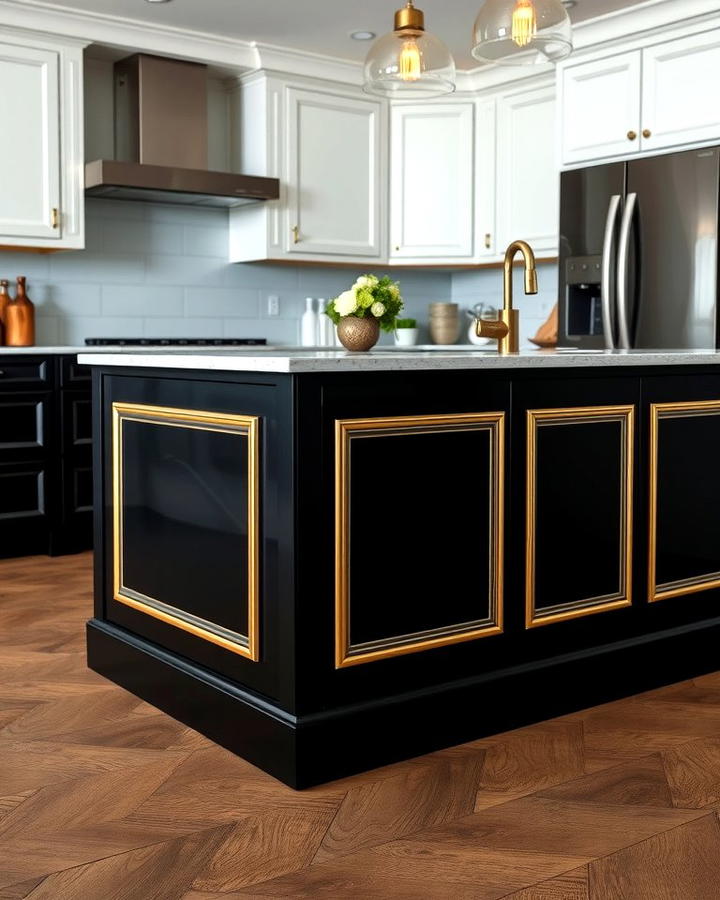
(161,141)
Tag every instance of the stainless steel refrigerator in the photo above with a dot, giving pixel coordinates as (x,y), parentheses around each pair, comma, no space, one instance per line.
(639,253)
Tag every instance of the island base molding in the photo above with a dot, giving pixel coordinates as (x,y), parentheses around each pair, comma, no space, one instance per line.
(304,751)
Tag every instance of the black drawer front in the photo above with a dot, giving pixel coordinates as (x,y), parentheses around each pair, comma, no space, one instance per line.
(72,374)
(22,492)
(24,423)
(18,372)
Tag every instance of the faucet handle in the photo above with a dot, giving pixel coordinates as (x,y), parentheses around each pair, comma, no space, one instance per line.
(491,328)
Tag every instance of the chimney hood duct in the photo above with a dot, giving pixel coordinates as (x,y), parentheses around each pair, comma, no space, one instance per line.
(161,141)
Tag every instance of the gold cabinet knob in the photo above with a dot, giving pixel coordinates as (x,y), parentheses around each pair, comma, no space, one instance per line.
(296,234)
(488,241)
(632,135)
(647,133)
(55,217)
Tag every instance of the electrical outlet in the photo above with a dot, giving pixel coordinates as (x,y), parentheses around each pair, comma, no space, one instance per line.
(273,305)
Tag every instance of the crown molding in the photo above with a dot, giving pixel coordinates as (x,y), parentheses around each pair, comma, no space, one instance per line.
(72,25)
(115,31)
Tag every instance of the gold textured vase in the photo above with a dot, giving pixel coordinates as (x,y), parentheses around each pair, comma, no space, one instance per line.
(358,335)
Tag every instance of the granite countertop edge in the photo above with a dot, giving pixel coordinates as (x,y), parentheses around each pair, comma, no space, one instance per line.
(279,361)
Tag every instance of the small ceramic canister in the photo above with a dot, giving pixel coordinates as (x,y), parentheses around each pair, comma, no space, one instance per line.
(444,323)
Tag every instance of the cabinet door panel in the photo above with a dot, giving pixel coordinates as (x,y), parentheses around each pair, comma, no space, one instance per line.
(527,173)
(30,150)
(600,107)
(334,174)
(679,106)
(24,515)
(24,423)
(432,179)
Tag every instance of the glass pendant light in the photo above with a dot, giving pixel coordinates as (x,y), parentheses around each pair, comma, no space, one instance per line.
(410,62)
(522,32)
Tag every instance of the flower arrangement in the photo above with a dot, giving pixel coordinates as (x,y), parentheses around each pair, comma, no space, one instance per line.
(369,297)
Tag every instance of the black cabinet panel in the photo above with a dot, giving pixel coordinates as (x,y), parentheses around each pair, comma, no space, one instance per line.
(72,374)
(22,492)
(25,373)
(400,590)
(185,520)
(77,419)
(23,422)
(685,498)
(579,524)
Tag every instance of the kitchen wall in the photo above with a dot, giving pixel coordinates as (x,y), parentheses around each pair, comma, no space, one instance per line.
(160,271)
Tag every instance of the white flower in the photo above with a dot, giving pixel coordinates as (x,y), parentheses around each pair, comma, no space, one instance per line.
(366,281)
(346,303)
(378,309)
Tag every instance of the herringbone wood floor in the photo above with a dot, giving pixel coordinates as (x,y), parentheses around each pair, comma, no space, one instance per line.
(103,797)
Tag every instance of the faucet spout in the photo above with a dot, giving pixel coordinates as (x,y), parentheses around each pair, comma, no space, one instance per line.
(507,328)
(531,285)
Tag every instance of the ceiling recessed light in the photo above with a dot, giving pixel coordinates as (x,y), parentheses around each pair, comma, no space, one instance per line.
(569,4)
(363,35)
(157,1)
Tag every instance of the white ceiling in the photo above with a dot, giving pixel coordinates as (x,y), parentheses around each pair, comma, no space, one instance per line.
(319,26)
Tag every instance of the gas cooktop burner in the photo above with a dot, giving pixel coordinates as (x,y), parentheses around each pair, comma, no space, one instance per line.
(175,342)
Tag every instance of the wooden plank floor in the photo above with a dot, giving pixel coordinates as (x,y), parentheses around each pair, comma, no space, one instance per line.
(102,796)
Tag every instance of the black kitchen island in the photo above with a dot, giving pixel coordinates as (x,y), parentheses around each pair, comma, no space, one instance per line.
(327,562)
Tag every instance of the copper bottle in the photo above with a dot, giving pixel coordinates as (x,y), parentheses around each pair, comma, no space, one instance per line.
(4,300)
(20,318)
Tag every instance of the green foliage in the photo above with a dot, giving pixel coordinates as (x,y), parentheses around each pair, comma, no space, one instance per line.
(363,297)
(405,323)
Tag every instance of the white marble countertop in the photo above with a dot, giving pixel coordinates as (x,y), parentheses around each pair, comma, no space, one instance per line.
(388,360)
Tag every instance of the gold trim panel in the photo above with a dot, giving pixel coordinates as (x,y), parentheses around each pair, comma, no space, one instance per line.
(658,411)
(347,430)
(245,426)
(539,418)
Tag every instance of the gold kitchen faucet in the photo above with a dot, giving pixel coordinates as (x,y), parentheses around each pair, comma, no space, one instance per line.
(506,329)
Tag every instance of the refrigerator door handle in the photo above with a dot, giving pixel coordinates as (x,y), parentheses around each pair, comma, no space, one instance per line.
(606,283)
(622,272)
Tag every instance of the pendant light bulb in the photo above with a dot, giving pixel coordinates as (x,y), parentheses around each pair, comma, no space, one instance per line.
(410,62)
(524,23)
(522,32)
(410,65)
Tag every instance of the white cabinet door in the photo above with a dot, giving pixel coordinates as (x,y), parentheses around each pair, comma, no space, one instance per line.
(30,146)
(485,179)
(681,104)
(528,178)
(432,181)
(601,108)
(335,174)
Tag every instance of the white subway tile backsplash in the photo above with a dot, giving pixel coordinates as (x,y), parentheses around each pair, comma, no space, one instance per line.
(205,241)
(243,303)
(74,330)
(98,268)
(161,271)
(182,328)
(142,301)
(48,330)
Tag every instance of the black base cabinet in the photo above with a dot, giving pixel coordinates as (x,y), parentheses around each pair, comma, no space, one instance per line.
(328,573)
(45,456)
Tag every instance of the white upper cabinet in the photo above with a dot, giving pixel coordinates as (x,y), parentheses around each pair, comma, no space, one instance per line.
(30,149)
(528,176)
(652,98)
(432,178)
(680,103)
(601,108)
(328,147)
(333,178)
(41,187)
